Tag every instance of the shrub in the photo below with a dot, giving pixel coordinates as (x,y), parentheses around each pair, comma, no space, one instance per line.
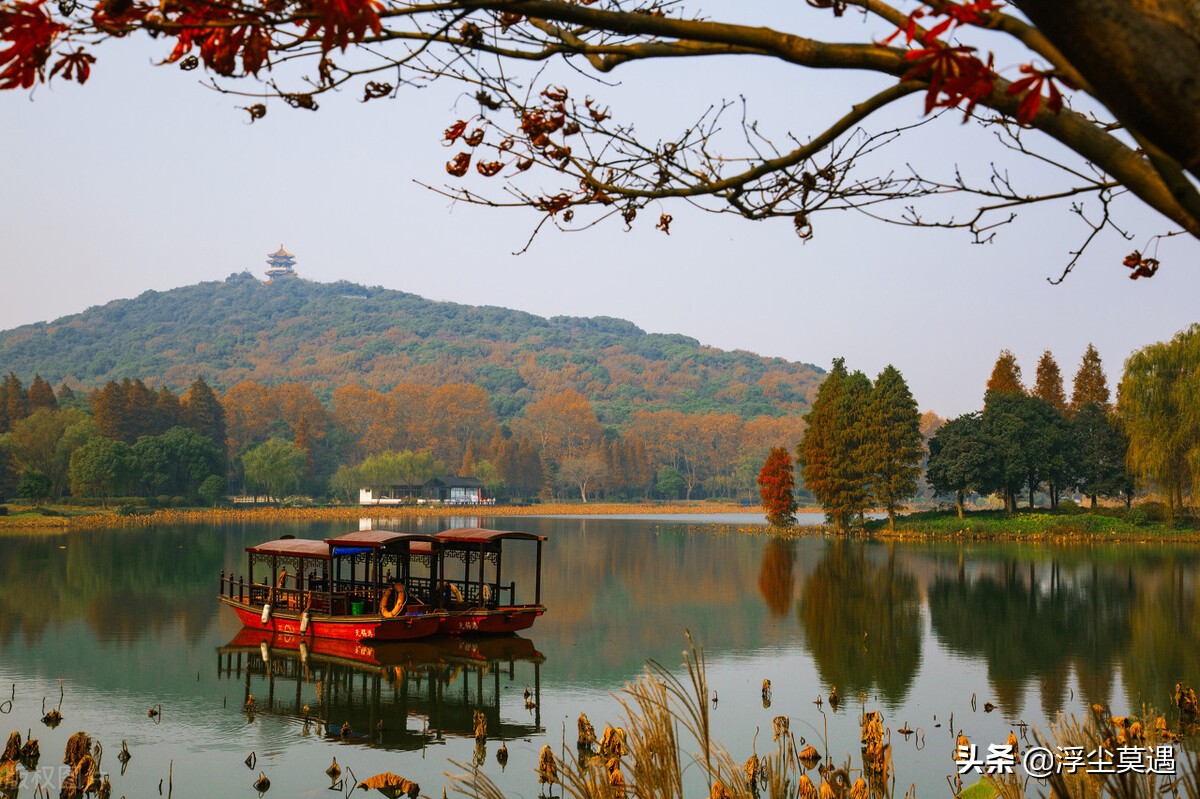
(163,500)
(179,502)
(3,510)
(1155,511)
(1137,516)
(1068,506)
(126,509)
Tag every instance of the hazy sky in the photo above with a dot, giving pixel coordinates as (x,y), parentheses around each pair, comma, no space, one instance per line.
(144,179)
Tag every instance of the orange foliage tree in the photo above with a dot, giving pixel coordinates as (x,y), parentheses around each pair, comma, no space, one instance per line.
(776,486)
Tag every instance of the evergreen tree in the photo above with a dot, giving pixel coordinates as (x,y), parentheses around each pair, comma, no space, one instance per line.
(100,468)
(960,459)
(110,409)
(203,413)
(168,412)
(14,402)
(833,453)
(1005,378)
(41,395)
(776,487)
(1099,448)
(1048,384)
(1028,440)
(65,395)
(1091,384)
(140,406)
(894,443)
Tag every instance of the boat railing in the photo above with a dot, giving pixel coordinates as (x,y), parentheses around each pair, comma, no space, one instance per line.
(425,590)
(337,603)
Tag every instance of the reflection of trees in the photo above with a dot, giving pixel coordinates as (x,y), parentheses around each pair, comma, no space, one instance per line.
(863,622)
(123,584)
(1033,622)
(775,577)
(1164,619)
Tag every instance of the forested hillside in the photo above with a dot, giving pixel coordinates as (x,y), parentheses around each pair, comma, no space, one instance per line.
(333,335)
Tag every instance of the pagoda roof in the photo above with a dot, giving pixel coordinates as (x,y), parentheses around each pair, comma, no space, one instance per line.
(281,253)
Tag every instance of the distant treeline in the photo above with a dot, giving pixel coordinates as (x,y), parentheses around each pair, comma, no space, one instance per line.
(129,439)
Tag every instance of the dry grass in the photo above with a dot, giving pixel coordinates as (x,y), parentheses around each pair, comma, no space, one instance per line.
(355,512)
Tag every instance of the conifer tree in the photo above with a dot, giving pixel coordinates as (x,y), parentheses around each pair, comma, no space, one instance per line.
(833,452)
(203,413)
(776,487)
(1005,378)
(14,402)
(41,395)
(1048,384)
(65,394)
(110,408)
(139,402)
(1091,384)
(894,442)
(168,412)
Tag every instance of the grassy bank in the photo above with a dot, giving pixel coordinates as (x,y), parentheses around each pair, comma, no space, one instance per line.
(63,517)
(1103,525)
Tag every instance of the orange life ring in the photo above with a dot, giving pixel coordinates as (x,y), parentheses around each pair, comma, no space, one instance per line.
(398,606)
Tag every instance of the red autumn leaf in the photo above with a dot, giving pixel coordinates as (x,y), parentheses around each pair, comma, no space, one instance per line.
(1031,87)
(76,65)
(29,32)
(489,168)
(341,21)
(455,131)
(954,74)
(458,167)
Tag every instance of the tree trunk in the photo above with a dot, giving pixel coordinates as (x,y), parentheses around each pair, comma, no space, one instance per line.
(1093,499)
(583,492)
(1140,56)
(1031,489)
(891,517)
(959,503)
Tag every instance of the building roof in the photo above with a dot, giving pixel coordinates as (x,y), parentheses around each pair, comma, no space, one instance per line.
(482,535)
(281,253)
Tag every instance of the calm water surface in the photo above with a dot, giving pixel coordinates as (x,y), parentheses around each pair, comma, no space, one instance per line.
(129,620)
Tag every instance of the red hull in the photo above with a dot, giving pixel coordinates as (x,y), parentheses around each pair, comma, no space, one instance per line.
(500,620)
(343,628)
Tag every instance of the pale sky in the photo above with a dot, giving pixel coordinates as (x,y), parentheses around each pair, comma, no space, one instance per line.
(144,179)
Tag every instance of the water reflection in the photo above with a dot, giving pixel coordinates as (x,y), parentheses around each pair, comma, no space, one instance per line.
(862,620)
(399,696)
(129,619)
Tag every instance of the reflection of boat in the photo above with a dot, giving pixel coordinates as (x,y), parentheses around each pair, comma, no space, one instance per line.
(378,691)
(402,590)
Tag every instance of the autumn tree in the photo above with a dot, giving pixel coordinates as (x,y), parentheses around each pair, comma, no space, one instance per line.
(202,412)
(894,444)
(776,487)
(1005,377)
(14,402)
(563,425)
(583,472)
(1091,384)
(1048,384)
(41,395)
(1127,69)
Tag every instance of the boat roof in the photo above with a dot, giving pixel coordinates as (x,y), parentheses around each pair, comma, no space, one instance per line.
(377,538)
(295,547)
(482,535)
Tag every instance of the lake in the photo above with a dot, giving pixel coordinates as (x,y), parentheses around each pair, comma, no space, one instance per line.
(926,633)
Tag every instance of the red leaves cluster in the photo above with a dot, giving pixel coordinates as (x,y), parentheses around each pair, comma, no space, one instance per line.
(29,32)
(341,21)
(1142,267)
(1031,86)
(955,73)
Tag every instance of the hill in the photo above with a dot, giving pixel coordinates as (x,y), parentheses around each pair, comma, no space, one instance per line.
(332,334)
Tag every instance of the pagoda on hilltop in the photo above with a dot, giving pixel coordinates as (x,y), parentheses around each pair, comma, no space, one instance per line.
(281,264)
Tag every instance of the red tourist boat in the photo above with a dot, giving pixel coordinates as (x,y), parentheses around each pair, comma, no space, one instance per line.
(477,604)
(402,591)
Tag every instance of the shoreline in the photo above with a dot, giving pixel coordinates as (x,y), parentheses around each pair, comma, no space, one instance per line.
(102,519)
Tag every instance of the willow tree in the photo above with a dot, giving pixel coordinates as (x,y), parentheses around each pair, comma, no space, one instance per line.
(1100,97)
(1159,402)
